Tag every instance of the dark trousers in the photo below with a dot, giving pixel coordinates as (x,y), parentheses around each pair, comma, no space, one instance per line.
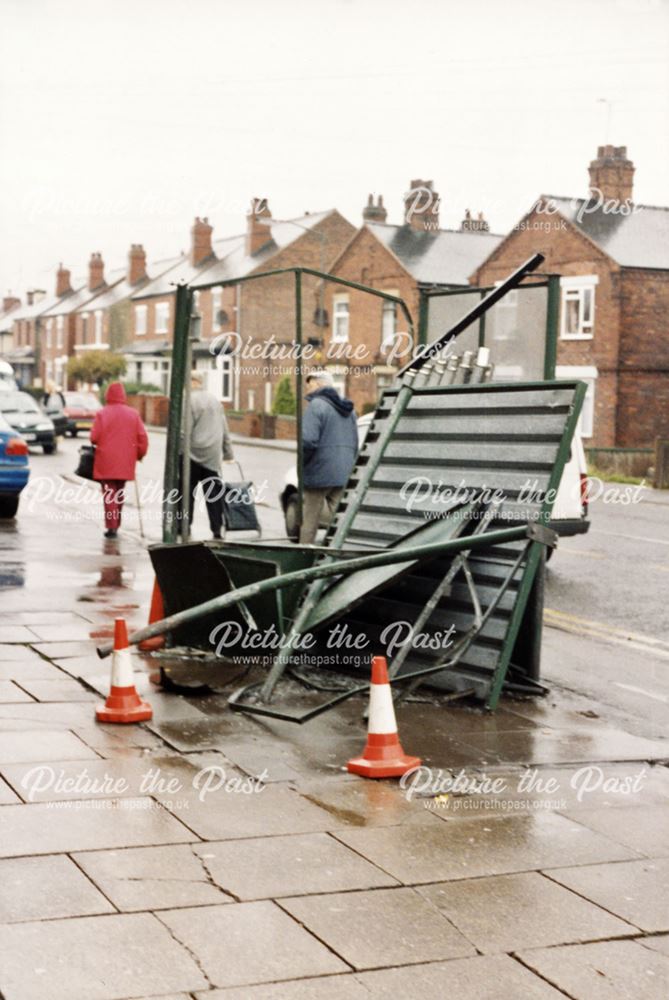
(113,495)
(212,487)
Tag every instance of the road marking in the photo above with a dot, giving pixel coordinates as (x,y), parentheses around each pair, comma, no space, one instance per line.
(636,690)
(635,538)
(600,630)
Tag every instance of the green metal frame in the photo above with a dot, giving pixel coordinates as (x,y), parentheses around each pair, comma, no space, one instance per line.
(182,319)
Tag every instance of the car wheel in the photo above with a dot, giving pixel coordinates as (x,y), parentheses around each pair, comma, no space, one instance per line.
(290,518)
(8,506)
(49,448)
(74,433)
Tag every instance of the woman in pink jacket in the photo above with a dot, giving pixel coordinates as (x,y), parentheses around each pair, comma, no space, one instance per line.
(120,439)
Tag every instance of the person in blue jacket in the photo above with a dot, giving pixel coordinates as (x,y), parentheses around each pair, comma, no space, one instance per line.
(329,449)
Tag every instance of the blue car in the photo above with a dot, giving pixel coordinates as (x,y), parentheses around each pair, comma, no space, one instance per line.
(14,468)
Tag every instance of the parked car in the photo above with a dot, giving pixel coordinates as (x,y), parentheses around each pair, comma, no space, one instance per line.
(24,414)
(570,511)
(14,468)
(80,410)
(7,380)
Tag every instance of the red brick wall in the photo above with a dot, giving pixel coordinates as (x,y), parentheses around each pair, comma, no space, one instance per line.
(568,252)
(643,393)
(367,262)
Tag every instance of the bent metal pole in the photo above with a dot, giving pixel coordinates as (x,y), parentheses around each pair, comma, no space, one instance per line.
(322,571)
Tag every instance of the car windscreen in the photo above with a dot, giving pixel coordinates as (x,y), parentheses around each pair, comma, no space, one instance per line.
(17,402)
(82,401)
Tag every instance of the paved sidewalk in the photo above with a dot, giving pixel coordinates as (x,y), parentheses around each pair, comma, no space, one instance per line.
(209,855)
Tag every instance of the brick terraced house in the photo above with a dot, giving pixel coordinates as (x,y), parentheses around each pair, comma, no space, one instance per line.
(367,339)
(613,255)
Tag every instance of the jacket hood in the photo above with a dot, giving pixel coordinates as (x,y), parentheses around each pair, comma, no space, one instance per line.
(115,393)
(342,406)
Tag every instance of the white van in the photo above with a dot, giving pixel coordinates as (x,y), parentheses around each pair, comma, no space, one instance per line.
(7,379)
(570,511)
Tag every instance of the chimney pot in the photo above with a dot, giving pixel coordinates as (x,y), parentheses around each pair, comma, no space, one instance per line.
(136,264)
(201,248)
(96,272)
(374,212)
(421,206)
(612,174)
(63,286)
(258,233)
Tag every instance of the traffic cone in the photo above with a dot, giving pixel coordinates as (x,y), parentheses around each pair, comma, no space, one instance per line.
(123,704)
(383,756)
(156,612)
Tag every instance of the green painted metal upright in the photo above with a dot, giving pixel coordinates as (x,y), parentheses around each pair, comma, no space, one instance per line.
(171,505)
(298,393)
(552,321)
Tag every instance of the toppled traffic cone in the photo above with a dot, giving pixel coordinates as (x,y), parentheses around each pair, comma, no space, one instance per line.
(123,703)
(383,756)
(156,612)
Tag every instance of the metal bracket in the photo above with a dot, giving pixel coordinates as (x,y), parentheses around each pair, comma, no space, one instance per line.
(540,533)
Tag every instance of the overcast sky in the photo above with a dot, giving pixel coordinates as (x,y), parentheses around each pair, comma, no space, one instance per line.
(121,121)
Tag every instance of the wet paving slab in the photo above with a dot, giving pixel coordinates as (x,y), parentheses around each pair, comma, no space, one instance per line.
(603,970)
(505,913)
(543,746)
(34,958)
(269,867)
(636,891)
(26,747)
(152,878)
(250,943)
(469,848)
(57,689)
(45,888)
(128,776)
(87,826)
(343,921)
(644,829)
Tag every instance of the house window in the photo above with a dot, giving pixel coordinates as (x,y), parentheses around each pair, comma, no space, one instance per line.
(60,324)
(49,326)
(162,317)
(504,316)
(216,308)
(388,322)
(84,327)
(251,404)
(578,307)
(268,397)
(140,320)
(340,319)
(98,326)
(587,374)
(225,363)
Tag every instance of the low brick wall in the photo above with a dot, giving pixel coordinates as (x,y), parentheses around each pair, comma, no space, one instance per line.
(138,403)
(622,461)
(285,428)
(246,424)
(151,407)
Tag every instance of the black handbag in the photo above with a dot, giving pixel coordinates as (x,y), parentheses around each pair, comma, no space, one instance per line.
(239,512)
(86,459)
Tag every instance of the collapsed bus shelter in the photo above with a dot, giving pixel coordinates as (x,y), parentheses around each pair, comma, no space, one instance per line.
(462,558)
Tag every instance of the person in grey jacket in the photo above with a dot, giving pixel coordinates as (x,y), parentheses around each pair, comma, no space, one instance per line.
(209,445)
(329,449)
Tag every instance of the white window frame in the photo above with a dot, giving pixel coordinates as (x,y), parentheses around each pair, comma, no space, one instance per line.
(250,399)
(216,306)
(340,315)
(49,331)
(227,375)
(388,308)
(574,288)
(60,326)
(588,374)
(84,327)
(97,327)
(162,316)
(141,315)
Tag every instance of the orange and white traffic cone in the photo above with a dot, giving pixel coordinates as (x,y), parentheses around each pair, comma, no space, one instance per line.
(383,756)
(123,704)
(156,612)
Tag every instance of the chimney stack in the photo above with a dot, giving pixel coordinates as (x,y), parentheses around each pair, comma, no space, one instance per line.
(421,206)
(474,225)
(374,212)
(258,232)
(136,264)
(611,174)
(10,302)
(96,272)
(200,241)
(63,286)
